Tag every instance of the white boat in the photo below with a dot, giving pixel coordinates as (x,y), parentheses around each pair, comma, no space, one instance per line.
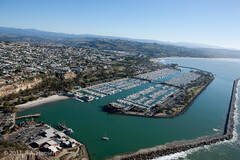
(216,130)
(105,138)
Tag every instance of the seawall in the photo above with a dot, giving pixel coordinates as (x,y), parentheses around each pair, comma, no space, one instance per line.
(184,145)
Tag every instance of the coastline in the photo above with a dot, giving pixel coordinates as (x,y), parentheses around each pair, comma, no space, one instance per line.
(40,101)
(50,99)
(184,145)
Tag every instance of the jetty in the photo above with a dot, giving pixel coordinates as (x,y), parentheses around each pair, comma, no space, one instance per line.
(184,145)
(28,116)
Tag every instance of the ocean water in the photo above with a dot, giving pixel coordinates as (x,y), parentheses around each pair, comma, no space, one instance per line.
(129,133)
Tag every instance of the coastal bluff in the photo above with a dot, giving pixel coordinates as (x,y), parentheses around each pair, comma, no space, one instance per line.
(184,145)
(15,87)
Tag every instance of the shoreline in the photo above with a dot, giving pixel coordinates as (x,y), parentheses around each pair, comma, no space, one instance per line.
(184,145)
(40,101)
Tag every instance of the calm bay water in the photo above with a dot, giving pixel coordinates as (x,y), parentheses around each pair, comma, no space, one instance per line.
(130,133)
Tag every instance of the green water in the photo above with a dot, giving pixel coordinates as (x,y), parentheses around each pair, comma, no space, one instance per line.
(130,133)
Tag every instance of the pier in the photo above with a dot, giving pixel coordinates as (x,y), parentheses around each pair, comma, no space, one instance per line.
(29,116)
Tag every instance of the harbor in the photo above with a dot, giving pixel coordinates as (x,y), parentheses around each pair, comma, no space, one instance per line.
(159,74)
(158,98)
(163,99)
(149,97)
(199,120)
(99,91)
(180,146)
(164,78)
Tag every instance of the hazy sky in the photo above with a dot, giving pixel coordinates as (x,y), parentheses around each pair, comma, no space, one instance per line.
(215,22)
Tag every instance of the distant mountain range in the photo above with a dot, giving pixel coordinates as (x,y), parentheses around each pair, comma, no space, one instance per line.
(148,47)
(45,34)
(54,35)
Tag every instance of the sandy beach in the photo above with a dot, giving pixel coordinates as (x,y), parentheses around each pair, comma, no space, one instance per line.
(40,101)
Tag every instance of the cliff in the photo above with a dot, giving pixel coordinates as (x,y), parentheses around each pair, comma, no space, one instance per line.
(17,86)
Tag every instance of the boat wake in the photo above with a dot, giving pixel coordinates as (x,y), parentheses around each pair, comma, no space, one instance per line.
(184,154)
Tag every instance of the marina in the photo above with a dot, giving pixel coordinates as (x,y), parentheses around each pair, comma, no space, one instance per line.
(119,80)
(184,79)
(163,99)
(102,90)
(159,92)
(159,74)
(201,118)
(149,97)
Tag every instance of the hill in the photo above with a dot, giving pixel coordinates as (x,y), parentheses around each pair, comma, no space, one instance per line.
(147,47)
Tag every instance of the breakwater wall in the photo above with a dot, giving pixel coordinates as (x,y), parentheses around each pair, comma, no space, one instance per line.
(184,145)
(229,125)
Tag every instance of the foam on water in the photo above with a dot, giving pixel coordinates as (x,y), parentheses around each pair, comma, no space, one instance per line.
(184,154)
